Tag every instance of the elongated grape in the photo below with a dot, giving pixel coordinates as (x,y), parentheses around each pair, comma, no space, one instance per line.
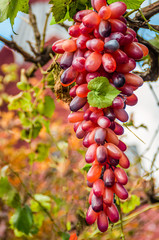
(93,62)
(112,213)
(91,216)
(111,137)
(100,135)
(108,196)
(98,188)
(133,79)
(104,12)
(69,45)
(124,161)
(113,151)
(76,117)
(80,133)
(120,191)
(91,20)
(121,115)
(66,60)
(119,130)
(109,63)
(101,154)
(94,173)
(57,46)
(79,15)
(122,146)
(109,177)
(127,67)
(120,57)
(117,26)
(117,9)
(104,28)
(133,50)
(77,103)
(97,203)
(91,153)
(82,91)
(111,46)
(102,221)
(74,31)
(121,176)
(69,76)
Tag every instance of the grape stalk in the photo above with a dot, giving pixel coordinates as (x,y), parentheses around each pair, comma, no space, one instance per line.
(101,45)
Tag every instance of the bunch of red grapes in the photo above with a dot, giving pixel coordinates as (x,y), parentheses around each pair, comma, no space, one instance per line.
(101,44)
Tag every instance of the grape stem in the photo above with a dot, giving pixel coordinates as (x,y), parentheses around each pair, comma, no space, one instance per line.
(121,221)
(146,21)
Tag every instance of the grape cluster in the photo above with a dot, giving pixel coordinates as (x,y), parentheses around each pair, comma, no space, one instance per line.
(101,44)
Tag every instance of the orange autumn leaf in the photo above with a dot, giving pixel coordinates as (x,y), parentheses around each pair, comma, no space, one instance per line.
(73,236)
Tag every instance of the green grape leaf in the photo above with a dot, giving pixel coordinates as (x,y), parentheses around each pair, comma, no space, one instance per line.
(21,101)
(49,106)
(102,93)
(59,9)
(155,42)
(10,8)
(86,167)
(37,126)
(14,199)
(65,9)
(129,3)
(42,151)
(5,186)
(43,199)
(22,220)
(130,204)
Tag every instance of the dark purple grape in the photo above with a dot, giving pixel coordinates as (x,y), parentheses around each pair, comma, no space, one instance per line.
(79,132)
(97,203)
(108,112)
(118,80)
(100,135)
(113,162)
(101,154)
(109,178)
(117,36)
(77,103)
(69,75)
(66,60)
(104,28)
(111,46)
(128,38)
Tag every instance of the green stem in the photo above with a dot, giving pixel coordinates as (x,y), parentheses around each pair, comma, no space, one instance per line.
(146,21)
(121,221)
(129,13)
